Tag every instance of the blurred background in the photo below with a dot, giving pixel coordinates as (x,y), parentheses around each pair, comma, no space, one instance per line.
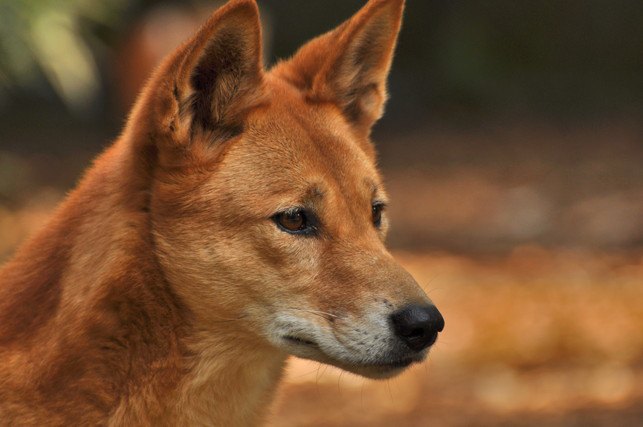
(513,151)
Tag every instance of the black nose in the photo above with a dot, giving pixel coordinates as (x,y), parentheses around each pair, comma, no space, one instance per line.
(418,325)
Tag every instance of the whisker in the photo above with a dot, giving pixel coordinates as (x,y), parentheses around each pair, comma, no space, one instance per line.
(428,284)
(430,291)
(317,375)
(339,380)
(307,373)
(224,320)
(323,314)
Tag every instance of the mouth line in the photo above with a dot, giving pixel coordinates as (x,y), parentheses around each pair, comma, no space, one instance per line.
(300,341)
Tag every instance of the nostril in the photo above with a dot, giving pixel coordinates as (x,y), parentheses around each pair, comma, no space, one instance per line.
(417,326)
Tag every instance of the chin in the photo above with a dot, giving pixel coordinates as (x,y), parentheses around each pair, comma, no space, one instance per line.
(376,373)
(379,371)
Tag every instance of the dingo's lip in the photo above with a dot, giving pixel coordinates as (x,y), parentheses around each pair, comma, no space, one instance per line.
(385,368)
(300,341)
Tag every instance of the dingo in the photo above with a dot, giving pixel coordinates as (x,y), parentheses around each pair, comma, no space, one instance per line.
(238,219)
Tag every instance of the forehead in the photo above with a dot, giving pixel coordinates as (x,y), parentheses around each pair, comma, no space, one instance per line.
(292,146)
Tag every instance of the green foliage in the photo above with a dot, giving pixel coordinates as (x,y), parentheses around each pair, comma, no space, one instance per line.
(49,37)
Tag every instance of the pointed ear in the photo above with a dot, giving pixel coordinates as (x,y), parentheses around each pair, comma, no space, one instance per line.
(213,80)
(349,65)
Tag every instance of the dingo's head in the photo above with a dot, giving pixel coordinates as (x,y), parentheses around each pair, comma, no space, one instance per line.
(267,207)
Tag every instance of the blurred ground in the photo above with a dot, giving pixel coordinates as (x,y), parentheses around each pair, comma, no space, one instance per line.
(493,187)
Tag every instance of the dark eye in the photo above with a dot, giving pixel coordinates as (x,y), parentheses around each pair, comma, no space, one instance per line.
(377,209)
(292,221)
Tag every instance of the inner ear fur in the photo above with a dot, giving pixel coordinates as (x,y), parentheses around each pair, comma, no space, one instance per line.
(349,65)
(214,79)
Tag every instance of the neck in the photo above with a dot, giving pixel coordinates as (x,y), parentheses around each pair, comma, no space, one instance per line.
(226,381)
(230,382)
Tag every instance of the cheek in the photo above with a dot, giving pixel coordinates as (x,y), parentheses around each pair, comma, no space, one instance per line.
(263,260)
